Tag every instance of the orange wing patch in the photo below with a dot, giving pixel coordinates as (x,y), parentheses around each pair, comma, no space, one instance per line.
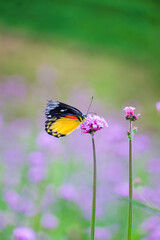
(71,117)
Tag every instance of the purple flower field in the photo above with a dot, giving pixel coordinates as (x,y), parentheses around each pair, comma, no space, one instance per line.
(46,182)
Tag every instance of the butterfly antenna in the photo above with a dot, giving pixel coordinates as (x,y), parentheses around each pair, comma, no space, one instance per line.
(90,104)
(92,113)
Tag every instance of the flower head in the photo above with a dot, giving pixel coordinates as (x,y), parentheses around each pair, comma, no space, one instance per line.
(49,221)
(93,124)
(158,106)
(130,114)
(137,181)
(24,233)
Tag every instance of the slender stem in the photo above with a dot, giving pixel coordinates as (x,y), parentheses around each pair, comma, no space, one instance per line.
(94,191)
(129,235)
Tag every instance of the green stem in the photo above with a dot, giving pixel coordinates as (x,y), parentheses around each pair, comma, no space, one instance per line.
(129,235)
(94,191)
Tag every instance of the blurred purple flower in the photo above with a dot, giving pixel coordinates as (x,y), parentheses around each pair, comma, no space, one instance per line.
(27,207)
(82,196)
(15,173)
(68,192)
(12,198)
(158,106)
(20,127)
(15,155)
(46,141)
(116,132)
(1,122)
(151,227)
(155,235)
(121,149)
(142,143)
(154,165)
(102,201)
(150,223)
(130,114)
(37,159)
(19,203)
(114,172)
(36,174)
(84,201)
(24,233)
(102,233)
(74,148)
(107,143)
(14,87)
(122,189)
(49,221)
(93,124)
(152,195)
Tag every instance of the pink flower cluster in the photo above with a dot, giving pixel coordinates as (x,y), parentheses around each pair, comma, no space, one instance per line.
(130,114)
(93,124)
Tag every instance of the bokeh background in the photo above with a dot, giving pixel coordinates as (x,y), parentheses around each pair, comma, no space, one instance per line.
(70,51)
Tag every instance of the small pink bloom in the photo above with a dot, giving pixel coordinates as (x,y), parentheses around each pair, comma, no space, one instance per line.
(130,114)
(93,124)
(137,181)
(24,233)
(158,106)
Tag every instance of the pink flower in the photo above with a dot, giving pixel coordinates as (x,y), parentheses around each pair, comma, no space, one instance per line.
(130,114)
(158,106)
(137,181)
(24,233)
(93,124)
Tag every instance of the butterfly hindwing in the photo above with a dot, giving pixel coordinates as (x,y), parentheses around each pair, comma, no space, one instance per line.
(48,125)
(62,126)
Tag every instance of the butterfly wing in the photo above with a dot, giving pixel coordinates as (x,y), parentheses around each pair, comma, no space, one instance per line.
(60,127)
(61,109)
(62,119)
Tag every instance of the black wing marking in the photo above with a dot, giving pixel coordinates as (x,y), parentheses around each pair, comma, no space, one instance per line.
(48,124)
(56,109)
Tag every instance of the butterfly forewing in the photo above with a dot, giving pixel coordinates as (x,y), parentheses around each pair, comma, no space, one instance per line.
(60,109)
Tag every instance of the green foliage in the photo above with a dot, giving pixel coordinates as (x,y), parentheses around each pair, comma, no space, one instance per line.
(128,28)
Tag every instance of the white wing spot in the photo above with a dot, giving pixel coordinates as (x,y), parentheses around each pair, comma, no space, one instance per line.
(63,110)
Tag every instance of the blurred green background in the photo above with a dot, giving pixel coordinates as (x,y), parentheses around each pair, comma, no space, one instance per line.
(68,51)
(111,45)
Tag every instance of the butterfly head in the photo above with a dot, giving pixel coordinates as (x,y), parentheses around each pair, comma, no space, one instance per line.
(84,116)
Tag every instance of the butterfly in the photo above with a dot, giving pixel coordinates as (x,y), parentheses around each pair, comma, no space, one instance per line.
(62,119)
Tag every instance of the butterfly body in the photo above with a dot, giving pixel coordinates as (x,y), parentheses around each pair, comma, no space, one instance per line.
(62,119)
